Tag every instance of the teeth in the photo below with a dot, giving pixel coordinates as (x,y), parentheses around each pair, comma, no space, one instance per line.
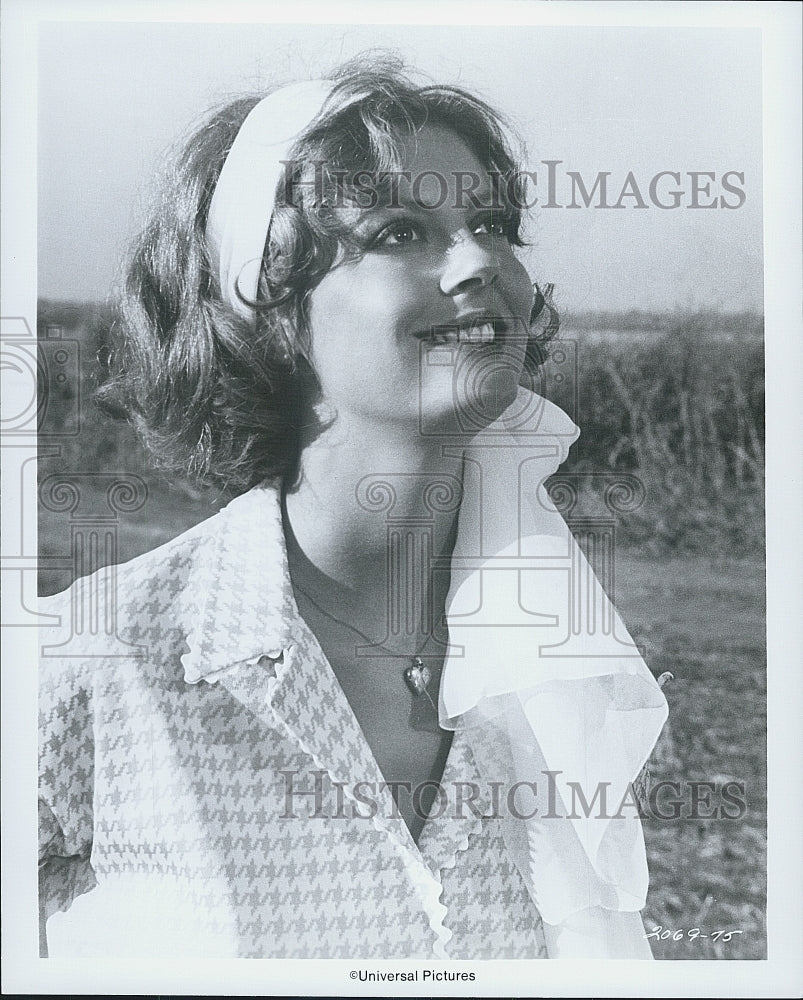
(482,333)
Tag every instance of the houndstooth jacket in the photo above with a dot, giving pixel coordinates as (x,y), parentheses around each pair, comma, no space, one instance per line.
(185,709)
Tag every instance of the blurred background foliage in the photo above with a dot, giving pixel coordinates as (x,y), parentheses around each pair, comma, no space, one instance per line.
(674,400)
(681,405)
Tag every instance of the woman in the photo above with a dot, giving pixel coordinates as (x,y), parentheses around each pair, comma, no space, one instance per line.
(342,718)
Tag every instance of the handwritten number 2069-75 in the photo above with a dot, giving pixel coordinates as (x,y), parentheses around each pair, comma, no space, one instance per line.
(660,933)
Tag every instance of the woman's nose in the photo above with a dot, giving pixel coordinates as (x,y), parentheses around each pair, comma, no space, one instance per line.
(470,265)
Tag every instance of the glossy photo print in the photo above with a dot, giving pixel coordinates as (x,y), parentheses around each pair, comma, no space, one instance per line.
(398,470)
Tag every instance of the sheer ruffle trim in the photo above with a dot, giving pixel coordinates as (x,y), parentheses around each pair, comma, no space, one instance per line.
(553,693)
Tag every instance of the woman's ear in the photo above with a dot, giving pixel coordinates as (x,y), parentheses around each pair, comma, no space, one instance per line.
(544,323)
(538,304)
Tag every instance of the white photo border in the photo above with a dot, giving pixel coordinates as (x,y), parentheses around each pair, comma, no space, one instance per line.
(782,973)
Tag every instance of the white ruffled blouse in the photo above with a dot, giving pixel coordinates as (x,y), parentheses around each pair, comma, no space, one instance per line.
(207,791)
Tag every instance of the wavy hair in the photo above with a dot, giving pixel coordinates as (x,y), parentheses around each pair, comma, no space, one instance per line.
(213,396)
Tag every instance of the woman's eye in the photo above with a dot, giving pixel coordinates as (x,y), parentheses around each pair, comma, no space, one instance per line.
(398,234)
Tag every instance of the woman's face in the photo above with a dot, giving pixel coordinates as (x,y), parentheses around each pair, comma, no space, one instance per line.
(429,325)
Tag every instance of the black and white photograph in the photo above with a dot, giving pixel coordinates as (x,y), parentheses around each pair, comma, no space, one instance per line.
(400,545)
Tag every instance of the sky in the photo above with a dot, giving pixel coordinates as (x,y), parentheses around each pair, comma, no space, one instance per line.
(113,97)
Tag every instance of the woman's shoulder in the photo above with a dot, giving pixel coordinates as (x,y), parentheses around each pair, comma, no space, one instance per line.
(142,572)
(151,602)
(111,617)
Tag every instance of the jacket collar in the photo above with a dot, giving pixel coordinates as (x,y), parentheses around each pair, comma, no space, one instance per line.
(241,583)
(251,638)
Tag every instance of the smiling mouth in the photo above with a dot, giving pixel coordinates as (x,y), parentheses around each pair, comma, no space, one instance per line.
(482,330)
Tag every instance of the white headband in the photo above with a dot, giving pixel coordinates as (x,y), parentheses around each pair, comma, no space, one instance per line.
(243,200)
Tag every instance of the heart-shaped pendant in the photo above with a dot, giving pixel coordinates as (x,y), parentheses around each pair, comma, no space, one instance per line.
(417,676)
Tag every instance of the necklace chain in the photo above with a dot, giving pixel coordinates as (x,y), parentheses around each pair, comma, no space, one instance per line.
(416,668)
(352,628)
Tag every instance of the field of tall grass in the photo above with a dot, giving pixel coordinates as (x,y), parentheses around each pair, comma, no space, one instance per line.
(681,408)
(675,403)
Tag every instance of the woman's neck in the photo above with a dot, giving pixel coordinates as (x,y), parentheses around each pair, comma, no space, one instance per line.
(357,491)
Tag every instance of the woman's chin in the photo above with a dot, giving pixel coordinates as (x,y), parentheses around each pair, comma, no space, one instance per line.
(487,402)
(468,413)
